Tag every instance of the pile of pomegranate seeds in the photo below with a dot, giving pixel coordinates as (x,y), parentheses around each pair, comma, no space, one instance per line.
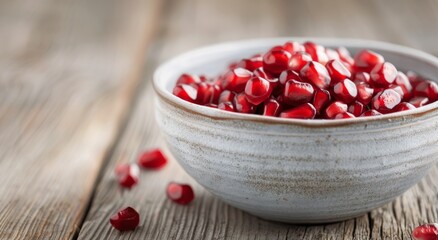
(426,232)
(125,220)
(309,81)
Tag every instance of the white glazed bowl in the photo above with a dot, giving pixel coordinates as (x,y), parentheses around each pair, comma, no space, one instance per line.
(298,171)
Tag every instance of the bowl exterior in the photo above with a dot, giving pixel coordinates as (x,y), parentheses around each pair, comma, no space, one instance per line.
(301,174)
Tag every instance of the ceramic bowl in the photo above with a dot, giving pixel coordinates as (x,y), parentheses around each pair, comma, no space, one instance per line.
(298,171)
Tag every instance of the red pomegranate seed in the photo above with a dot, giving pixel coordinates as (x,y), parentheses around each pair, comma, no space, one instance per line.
(365,60)
(321,99)
(271,108)
(332,54)
(414,79)
(304,111)
(337,71)
(362,77)
(257,90)
(356,108)
(427,89)
(288,75)
(296,93)
(345,55)
(205,93)
(127,175)
(227,106)
(180,193)
(398,89)
(260,72)
(344,115)
(235,80)
(345,91)
(185,92)
(152,159)
(293,47)
(403,81)
(251,64)
(419,101)
(335,108)
(404,106)
(317,52)
(364,93)
(232,65)
(386,100)
(316,74)
(125,219)
(370,113)
(226,96)
(188,79)
(241,104)
(383,74)
(299,60)
(426,232)
(276,60)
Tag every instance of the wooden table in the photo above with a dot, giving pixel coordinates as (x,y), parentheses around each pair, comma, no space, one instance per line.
(76,99)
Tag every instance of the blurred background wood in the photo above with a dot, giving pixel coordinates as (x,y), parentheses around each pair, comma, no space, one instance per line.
(74,103)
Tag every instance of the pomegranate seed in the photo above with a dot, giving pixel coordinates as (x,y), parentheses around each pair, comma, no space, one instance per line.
(404,106)
(337,71)
(365,60)
(332,54)
(296,93)
(235,80)
(180,193)
(125,219)
(276,60)
(335,108)
(345,91)
(152,159)
(383,74)
(299,60)
(321,99)
(260,72)
(356,108)
(386,100)
(414,79)
(316,74)
(426,232)
(345,55)
(226,96)
(251,64)
(398,89)
(427,89)
(304,111)
(127,175)
(317,52)
(227,106)
(205,93)
(419,101)
(185,92)
(403,81)
(288,75)
(257,90)
(188,79)
(364,93)
(271,108)
(362,77)
(232,65)
(370,113)
(344,115)
(241,104)
(293,47)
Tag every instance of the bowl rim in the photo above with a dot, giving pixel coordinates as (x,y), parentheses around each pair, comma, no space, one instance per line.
(217,114)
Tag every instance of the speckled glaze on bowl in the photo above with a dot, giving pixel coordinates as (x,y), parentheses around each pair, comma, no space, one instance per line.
(298,171)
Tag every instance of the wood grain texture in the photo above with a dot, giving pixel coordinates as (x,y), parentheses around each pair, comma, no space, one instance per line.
(68,73)
(65,89)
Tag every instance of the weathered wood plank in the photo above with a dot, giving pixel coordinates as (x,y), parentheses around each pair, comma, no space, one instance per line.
(192,23)
(69,70)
